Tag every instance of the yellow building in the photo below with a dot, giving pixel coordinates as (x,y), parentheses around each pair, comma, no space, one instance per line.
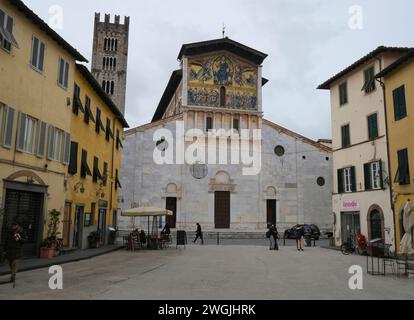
(92,199)
(398,79)
(37,70)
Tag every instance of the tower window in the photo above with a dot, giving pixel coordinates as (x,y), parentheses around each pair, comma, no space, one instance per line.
(209,123)
(222,97)
(112,87)
(116,44)
(236,124)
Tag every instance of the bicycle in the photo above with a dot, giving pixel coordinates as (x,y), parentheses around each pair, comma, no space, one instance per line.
(350,247)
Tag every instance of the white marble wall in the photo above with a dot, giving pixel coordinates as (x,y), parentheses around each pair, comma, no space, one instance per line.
(299,198)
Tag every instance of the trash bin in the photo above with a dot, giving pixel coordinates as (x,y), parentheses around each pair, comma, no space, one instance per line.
(112,236)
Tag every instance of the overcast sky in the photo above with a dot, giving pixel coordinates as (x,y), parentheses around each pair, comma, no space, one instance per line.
(307,42)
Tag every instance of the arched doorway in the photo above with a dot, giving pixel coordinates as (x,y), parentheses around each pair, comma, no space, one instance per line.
(376,223)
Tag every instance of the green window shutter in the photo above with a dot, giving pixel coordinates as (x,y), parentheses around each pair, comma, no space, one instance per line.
(367,176)
(41,144)
(105,174)
(66,77)
(345,136)
(95,169)
(373,126)
(21,132)
(353,179)
(403,167)
(400,109)
(109,133)
(66,155)
(73,163)
(98,120)
(85,170)
(341,188)
(8,130)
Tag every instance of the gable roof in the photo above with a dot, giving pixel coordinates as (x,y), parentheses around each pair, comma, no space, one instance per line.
(48,30)
(295,135)
(396,64)
(381,49)
(101,93)
(169,92)
(232,46)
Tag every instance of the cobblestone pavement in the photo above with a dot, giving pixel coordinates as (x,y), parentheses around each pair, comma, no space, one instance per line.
(212,272)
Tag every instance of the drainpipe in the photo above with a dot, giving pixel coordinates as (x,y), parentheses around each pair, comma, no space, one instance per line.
(388,154)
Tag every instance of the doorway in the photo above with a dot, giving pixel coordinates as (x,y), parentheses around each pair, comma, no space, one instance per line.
(67,219)
(172,206)
(77,230)
(102,225)
(222,209)
(27,208)
(271,212)
(350,225)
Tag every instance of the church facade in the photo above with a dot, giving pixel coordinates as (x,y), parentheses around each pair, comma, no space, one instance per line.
(210,157)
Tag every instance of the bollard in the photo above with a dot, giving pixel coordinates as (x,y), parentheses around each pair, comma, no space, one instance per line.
(218,238)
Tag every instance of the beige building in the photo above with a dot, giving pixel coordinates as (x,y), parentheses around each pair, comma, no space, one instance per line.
(37,70)
(361,196)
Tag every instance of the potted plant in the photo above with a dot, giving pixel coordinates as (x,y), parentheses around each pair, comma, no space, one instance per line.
(51,246)
(94,240)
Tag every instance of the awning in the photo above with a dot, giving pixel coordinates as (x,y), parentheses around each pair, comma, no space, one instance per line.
(147,212)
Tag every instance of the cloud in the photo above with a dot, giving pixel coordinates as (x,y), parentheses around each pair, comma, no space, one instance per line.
(307,42)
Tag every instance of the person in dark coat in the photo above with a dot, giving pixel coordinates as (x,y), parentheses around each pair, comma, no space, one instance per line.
(166,230)
(273,235)
(199,234)
(299,233)
(13,246)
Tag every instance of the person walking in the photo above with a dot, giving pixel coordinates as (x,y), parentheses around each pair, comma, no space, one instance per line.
(199,234)
(299,233)
(13,246)
(167,230)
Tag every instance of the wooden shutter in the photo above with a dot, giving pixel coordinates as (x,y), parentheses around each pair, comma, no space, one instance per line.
(21,132)
(8,130)
(9,30)
(95,169)
(399,103)
(66,77)
(41,144)
(353,179)
(341,188)
(98,120)
(105,173)
(66,155)
(380,173)
(61,71)
(41,55)
(51,145)
(35,50)
(84,165)
(73,163)
(373,126)
(367,176)
(403,167)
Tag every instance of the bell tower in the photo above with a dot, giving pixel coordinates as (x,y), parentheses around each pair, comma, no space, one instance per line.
(110,57)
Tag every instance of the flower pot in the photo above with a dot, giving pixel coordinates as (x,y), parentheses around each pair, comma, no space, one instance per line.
(47,253)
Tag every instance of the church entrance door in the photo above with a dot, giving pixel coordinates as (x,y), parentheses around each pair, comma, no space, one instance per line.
(222,209)
(172,206)
(271,212)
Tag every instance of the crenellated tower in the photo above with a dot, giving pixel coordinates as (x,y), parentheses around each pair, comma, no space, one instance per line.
(110,57)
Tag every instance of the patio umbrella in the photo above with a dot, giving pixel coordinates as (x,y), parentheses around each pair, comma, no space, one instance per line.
(147,212)
(406,246)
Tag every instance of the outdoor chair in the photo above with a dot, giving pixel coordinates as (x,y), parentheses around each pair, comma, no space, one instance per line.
(389,259)
(401,265)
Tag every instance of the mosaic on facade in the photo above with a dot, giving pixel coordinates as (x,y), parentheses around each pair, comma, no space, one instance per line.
(209,75)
